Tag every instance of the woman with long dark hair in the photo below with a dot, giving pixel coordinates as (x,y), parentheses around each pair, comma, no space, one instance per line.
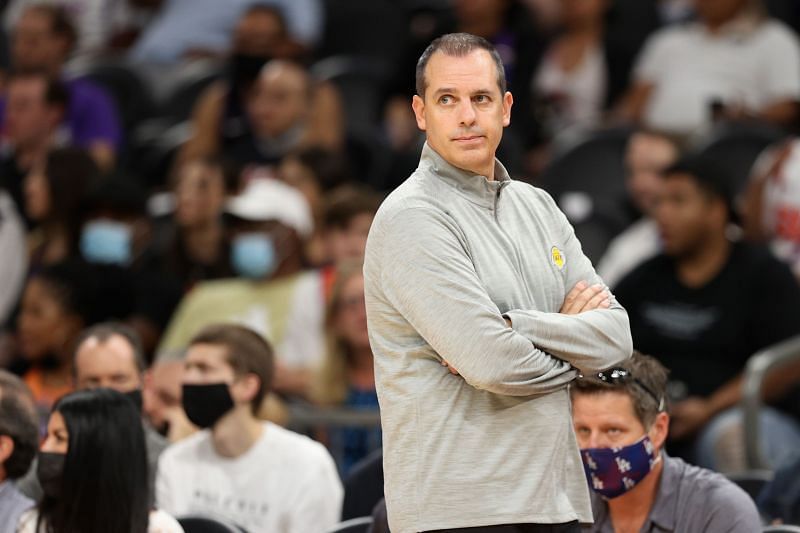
(93,470)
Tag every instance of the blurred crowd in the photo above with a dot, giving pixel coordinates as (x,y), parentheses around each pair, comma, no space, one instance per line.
(167,166)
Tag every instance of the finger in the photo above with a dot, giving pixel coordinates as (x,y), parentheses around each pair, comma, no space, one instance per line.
(596,301)
(569,300)
(585,296)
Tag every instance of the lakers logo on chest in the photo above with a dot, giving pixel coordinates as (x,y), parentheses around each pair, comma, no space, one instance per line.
(557,256)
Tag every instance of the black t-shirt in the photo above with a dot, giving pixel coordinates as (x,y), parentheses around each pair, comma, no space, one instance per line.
(705,335)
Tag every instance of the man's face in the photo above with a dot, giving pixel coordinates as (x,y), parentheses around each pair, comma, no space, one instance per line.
(29,119)
(687,217)
(349,243)
(646,157)
(605,420)
(199,195)
(110,364)
(207,364)
(463,112)
(258,33)
(278,100)
(34,45)
(161,398)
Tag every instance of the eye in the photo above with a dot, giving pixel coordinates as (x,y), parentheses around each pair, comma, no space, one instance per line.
(446,99)
(481,99)
(613,431)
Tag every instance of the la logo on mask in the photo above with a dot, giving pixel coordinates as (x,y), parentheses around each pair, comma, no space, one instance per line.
(614,471)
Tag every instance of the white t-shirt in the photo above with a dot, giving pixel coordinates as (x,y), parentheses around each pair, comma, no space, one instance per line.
(160,522)
(690,68)
(285,483)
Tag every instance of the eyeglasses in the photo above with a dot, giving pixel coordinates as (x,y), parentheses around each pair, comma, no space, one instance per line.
(616,376)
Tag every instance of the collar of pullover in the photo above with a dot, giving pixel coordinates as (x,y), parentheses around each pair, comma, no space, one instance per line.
(475,187)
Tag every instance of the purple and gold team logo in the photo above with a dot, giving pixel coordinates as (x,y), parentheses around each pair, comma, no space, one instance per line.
(558,257)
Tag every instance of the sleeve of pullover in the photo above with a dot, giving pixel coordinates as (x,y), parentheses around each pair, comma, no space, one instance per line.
(427,276)
(590,341)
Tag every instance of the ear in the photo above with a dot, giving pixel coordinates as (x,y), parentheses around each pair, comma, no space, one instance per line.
(659,430)
(508,101)
(6,448)
(418,105)
(245,388)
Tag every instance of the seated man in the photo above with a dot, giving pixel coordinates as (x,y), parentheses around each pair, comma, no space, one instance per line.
(621,424)
(110,355)
(699,307)
(734,62)
(19,439)
(256,474)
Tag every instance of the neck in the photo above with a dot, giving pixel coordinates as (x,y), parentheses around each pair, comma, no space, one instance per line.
(699,267)
(203,240)
(629,511)
(588,31)
(27,155)
(236,432)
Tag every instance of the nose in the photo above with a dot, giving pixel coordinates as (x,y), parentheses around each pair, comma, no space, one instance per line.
(467,113)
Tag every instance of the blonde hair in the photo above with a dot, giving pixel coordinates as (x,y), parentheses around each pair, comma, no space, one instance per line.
(330,383)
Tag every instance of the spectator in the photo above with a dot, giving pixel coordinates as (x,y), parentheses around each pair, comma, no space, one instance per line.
(698,307)
(90,436)
(34,108)
(647,155)
(19,438)
(573,81)
(772,212)
(779,501)
(274,296)
(56,306)
(97,22)
(734,62)
(196,247)
(620,418)
(221,117)
(15,261)
(54,197)
(258,475)
(316,172)
(117,239)
(161,400)
(110,355)
(43,40)
(348,216)
(346,377)
(190,28)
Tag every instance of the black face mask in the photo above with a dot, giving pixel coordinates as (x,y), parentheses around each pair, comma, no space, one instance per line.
(135,396)
(206,404)
(49,471)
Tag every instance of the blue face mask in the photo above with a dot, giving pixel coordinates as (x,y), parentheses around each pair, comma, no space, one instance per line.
(107,242)
(614,471)
(253,256)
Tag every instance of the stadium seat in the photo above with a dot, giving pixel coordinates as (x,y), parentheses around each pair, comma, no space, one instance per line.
(356,525)
(736,146)
(204,524)
(783,528)
(587,181)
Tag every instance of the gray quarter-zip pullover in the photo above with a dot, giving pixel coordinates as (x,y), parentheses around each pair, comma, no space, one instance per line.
(449,255)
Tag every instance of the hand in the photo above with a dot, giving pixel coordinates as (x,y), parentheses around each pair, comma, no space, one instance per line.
(450,368)
(584,297)
(689,416)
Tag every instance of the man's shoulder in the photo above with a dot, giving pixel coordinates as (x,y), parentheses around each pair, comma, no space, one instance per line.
(711,494)
(186,450)
(658,267)
(774,33)
(85,91)
(293,447)
(676,35)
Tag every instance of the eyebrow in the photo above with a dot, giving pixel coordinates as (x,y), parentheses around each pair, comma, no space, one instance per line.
(451,90)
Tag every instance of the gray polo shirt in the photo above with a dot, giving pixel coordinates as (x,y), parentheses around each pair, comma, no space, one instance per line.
(448,255)
(690,499)
(12,504)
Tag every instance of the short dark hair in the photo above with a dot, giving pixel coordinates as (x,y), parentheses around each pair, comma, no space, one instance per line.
(709,174)
(18,420)
(652,381)
(119,194)
(55,92)
(458,45)
(105,330)
(346,203)
(61,23)
(247,353)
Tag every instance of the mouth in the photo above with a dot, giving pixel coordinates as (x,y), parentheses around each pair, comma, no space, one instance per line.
(468,139)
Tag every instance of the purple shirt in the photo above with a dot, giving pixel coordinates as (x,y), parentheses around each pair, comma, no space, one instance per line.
(91,114)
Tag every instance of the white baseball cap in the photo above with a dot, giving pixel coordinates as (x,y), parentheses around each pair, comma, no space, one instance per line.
(269,199)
